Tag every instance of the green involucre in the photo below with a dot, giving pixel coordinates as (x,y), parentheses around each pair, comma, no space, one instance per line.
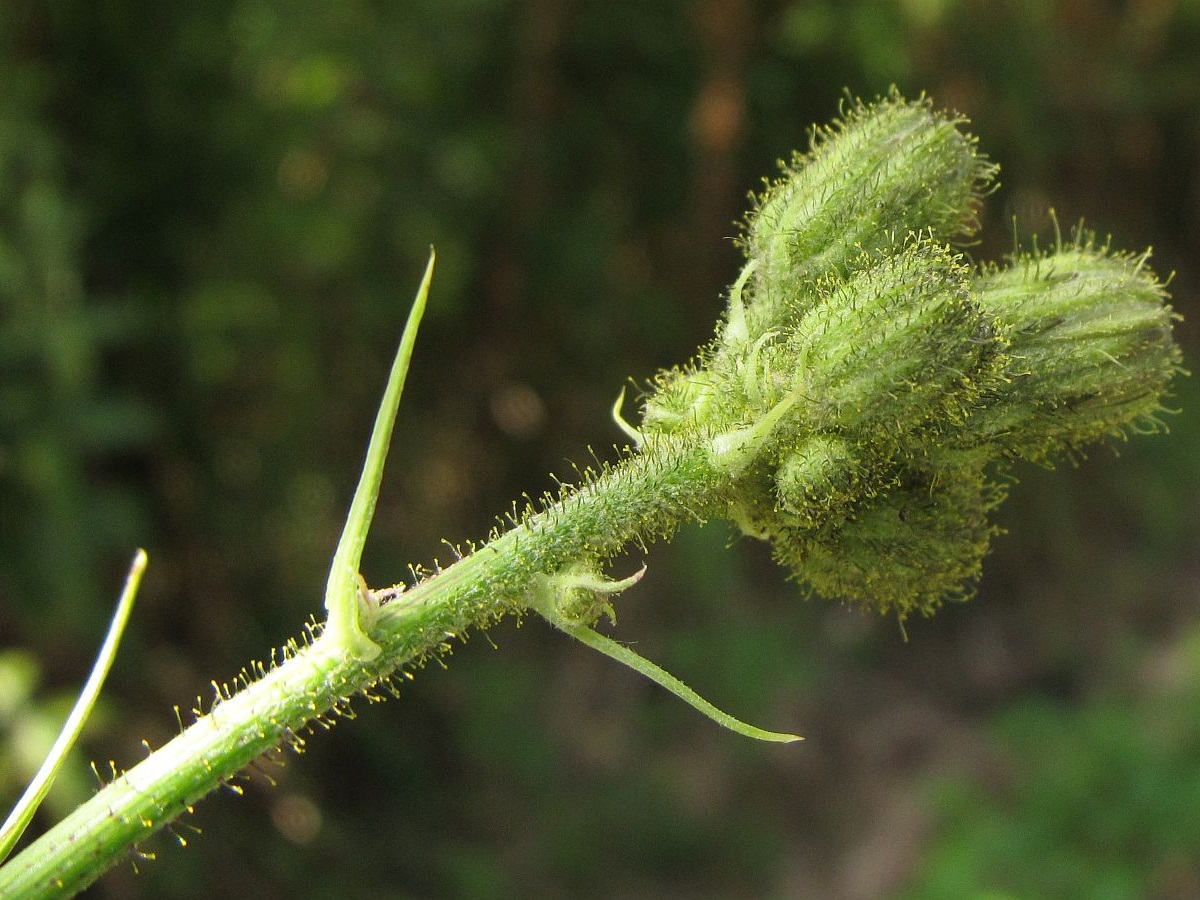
(896,347)
(1091,345)
(817,479)
(909,550)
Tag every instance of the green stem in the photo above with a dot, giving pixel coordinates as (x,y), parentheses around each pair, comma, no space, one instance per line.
(648,495)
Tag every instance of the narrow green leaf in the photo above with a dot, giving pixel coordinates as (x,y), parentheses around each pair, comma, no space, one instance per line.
(344,627)
(14,826)
(662,677)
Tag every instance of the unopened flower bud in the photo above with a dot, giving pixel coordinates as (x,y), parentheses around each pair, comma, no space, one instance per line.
(1091,350)
(817,478)
(898,346)
(678,402)
(885,170)
(910,550)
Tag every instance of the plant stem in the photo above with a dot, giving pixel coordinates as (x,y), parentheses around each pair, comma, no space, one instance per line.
(647,495)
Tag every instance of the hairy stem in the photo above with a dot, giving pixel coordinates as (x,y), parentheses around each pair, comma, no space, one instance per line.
(658,489)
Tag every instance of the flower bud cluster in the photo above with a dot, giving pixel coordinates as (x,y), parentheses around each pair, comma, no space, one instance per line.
(866,379)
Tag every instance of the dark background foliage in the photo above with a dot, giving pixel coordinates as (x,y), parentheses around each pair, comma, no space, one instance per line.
(212,218)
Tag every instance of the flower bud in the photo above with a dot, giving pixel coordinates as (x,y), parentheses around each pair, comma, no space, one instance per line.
(897,347)
(889,359)
(894,346)
(678,402)
(1091,351)
(885,170)
(911,549)
(816,479)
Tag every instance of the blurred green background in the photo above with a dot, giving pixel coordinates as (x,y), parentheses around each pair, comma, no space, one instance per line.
(212,218)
